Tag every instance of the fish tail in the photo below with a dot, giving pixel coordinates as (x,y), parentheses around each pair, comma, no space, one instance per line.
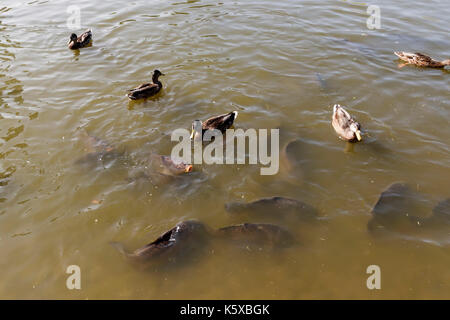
(119,247)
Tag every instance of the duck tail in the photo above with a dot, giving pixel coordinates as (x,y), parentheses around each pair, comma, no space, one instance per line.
(130,95)
(399,54)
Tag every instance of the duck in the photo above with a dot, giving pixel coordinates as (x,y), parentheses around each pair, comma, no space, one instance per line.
(345,125)
(84,40)
(147,90)
(421,60)
(221,123)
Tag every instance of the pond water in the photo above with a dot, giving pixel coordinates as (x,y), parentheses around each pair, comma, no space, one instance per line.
(280,64)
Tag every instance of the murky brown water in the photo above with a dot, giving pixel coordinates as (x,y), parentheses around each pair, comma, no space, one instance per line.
(281,64)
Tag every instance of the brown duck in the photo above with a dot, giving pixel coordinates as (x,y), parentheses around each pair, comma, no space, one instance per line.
(344,125)
(221,123)
(421,60)
(147,90)
(84,40)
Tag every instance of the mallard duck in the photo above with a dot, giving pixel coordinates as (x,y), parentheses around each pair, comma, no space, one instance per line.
(147,90)
(421,60)
(82,41)
(344,125)
(222,123)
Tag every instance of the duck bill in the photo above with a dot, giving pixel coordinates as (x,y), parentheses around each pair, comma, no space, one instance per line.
(188,168)
(358,135)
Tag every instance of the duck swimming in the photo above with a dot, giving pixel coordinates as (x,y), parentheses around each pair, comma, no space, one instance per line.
(344,125)
(147,90)
(84,40)
(421,60)
(221,123)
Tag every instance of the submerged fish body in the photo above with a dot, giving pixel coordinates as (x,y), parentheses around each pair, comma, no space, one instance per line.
(394,213)
(256,236)
(98,151)
(280,208)
(323,84)
(391,212)
(178,243)
(391,201)
(440,217)
(168,166)
(188,240)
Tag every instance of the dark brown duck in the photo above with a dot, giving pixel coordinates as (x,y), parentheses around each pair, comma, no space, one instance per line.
(147,90)
(221,123)
(84,40)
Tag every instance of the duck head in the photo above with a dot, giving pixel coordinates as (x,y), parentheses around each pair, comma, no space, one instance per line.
(156,75)
(73,38)
(196,130)
(356,128)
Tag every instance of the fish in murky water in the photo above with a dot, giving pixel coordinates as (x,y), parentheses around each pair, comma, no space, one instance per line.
(97,151)
(168,166)
(160,169)
(440,217)
(396,213)
(179,243)
(256,236)
(290,169)
(323,84)
(362,48)
(188,239)
(279,208)
(392,212)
